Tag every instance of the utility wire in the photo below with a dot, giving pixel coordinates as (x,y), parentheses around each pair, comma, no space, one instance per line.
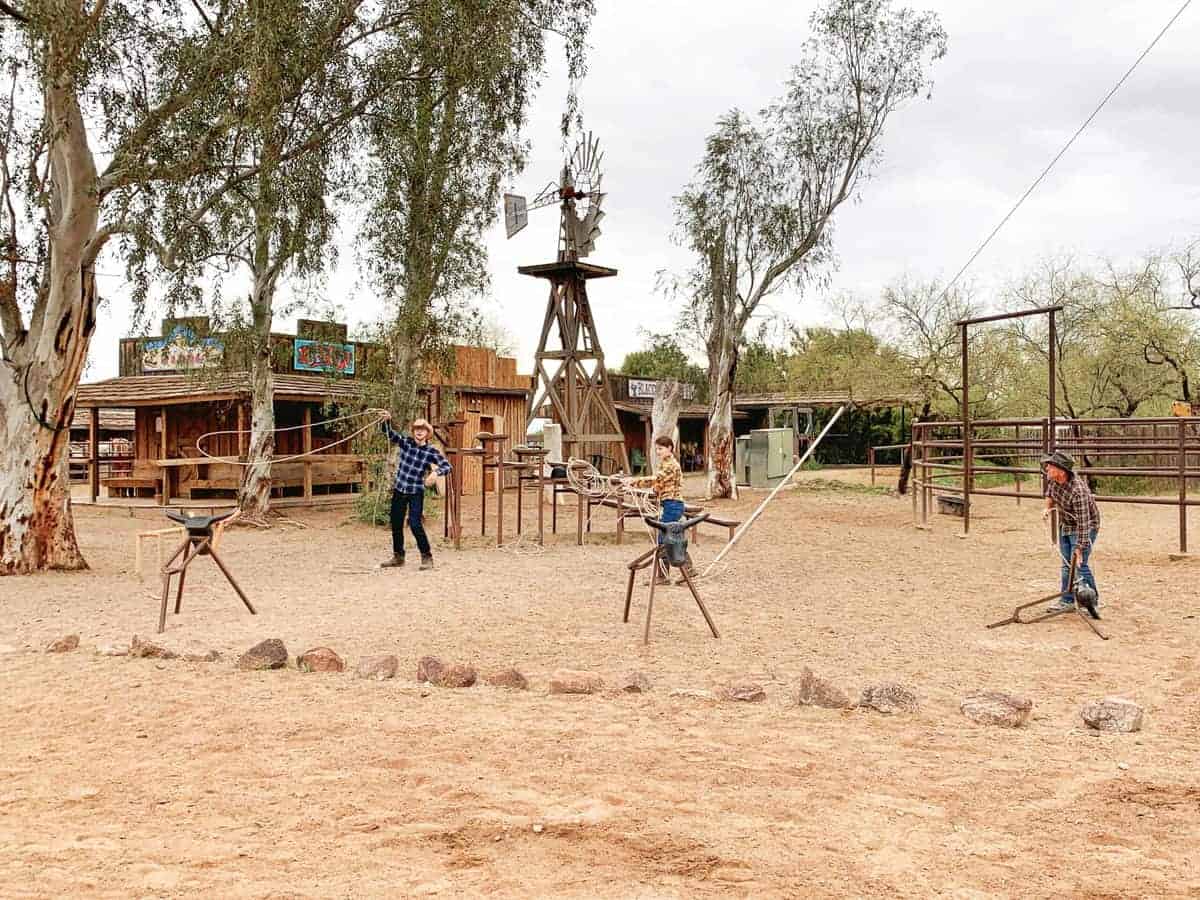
(1066,147)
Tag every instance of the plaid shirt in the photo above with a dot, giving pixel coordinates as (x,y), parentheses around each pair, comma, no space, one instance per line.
(415,460)
(1077,507)
(667,481)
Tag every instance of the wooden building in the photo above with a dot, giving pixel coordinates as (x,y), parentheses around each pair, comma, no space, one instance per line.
(486,391)
(114,441)
(634,398)
(186,383)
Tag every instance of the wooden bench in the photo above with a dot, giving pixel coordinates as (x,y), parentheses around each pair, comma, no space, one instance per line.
(228,477)
(143,476)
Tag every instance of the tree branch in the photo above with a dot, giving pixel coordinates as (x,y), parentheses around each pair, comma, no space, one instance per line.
(12,12)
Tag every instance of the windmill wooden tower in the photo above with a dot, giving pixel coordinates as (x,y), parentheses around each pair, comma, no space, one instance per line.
(571,378)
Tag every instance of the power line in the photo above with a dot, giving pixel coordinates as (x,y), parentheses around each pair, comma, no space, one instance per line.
(1066,147)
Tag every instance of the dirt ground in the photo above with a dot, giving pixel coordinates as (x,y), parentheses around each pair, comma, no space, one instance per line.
(136,777)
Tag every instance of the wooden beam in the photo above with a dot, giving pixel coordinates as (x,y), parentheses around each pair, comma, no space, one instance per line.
(94,454)
(162,447)
(241,424)
(308,481)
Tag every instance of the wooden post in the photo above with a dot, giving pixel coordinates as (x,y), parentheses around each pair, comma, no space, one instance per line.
(499,493)
(241,424)
(162,447)
(308,487)
(871,463)
(94,453)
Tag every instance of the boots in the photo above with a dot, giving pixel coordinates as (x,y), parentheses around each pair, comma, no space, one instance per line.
(426,563)
(395,562)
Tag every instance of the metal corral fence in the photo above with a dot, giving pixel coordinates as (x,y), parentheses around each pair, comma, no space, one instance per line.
(873,463)
(1146,461)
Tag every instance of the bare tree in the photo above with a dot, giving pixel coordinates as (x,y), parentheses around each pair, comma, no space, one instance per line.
(757,217)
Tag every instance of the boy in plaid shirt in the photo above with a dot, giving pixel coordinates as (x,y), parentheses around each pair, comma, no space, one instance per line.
(668,487)
(1079,522)
(417,455)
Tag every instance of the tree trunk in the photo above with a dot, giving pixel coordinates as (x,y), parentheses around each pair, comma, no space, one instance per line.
(722,367)
(43,364)
(906,464)
(254,498)
(664,416)
(406,358)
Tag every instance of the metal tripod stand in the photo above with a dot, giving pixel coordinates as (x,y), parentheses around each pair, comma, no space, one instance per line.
(672,551)
(197,542)
(1076,608)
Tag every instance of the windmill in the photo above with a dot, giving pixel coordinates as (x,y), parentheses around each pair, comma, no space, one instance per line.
(579,196)
(571,378)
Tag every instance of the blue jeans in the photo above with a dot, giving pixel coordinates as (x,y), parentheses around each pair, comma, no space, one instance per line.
(672,511)
(415,506)
(1066,546)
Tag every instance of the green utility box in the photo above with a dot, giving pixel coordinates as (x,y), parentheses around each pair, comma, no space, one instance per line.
(769,456)
(741,459)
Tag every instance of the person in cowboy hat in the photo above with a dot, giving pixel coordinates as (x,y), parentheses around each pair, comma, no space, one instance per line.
(417,455)
(1078,522)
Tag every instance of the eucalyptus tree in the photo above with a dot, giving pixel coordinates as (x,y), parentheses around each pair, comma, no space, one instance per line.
(105,103)
(758,214)
(307,84)
(101,100)
(440,152)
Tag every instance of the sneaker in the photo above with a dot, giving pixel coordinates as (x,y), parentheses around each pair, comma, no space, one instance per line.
(396,561)
(426,563)
(1061,606)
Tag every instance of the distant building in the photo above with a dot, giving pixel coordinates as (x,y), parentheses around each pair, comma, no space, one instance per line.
(187,382)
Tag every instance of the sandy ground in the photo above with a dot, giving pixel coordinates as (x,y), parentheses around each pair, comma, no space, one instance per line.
(123,777)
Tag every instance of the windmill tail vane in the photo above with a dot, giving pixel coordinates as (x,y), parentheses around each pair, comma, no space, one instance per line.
(579,196)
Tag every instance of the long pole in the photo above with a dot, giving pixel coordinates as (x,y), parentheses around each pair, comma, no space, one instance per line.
(796,468)
(966,435)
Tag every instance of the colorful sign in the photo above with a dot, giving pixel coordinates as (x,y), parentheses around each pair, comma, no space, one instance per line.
(647,389)
(322,356)
(181,351)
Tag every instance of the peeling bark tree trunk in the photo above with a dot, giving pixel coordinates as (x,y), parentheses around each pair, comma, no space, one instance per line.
(43,364)
(722,368)
(664,416)
(254,498)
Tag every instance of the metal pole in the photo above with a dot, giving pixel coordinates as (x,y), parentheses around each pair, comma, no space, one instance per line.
(786,478)
(1053,378)
(966,435)
(1182,487)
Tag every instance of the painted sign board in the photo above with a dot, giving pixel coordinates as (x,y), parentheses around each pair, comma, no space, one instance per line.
(181,351)
(647,389)
(323,356)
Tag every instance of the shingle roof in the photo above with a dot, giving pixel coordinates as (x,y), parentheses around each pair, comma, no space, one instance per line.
(145,390)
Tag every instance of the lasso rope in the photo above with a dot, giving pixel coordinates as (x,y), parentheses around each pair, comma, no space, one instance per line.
(379,415)
(585,479)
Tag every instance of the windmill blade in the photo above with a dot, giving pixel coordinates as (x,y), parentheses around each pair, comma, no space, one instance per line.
(516,213)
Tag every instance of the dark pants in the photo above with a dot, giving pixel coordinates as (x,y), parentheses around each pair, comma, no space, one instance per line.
(415,504)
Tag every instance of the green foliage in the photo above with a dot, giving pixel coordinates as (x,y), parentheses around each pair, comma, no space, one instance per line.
(664,358)
(440,150)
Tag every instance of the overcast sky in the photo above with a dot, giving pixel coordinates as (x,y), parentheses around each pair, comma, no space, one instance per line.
(1019,79)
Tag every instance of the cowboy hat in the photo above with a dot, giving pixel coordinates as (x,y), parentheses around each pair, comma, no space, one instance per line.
(1059,460)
